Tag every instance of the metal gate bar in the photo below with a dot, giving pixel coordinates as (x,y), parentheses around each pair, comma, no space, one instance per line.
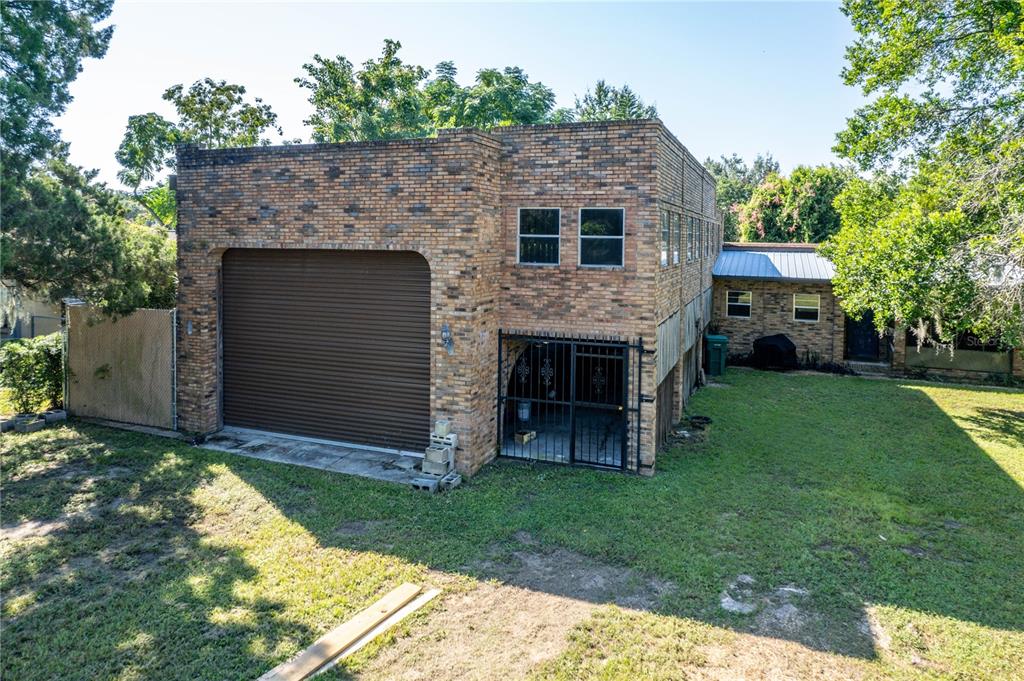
(569,399)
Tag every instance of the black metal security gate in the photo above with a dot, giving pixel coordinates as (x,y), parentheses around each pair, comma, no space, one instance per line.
(569,400)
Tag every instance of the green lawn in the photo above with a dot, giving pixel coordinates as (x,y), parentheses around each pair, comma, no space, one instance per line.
(898,508)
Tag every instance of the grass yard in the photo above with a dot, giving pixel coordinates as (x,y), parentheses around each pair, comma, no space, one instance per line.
(873,528)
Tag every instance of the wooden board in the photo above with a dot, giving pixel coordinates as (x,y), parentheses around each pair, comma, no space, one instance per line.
(334,642)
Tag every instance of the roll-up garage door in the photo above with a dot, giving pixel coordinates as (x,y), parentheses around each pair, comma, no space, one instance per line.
(328,344)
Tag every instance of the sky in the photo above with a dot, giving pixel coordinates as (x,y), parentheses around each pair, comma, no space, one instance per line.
(726,77)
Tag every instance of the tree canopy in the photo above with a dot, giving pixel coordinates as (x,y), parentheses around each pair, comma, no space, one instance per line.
(607,103)
(736,182)
(797,207)
(41,52)
(388,98)
(210,113)
(941,247)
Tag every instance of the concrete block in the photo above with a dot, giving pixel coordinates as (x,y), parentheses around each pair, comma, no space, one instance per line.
(425,485)
(438,454)
(55,415)
(434,468)
(29,426)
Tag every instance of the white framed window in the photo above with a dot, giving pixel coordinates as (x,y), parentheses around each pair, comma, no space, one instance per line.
(738,304)
(602,237)
(538,241)
(675,238)
(666,238)
(806,307)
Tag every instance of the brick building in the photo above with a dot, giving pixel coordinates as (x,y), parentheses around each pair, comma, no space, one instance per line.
(763,289)
(543,288)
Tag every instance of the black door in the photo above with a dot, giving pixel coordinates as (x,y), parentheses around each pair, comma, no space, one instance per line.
(862,341)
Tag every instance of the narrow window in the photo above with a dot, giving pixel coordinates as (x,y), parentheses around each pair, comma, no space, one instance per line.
(538,236)
(805,306)
(602,233)
(698,244)
(689,239)
(666,238)
(675,238)
(738,304)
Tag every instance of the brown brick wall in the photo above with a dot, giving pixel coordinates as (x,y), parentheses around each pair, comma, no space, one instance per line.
(455,200)
(772,312)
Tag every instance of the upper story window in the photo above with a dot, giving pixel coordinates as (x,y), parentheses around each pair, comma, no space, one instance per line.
(806,306)
(689,239)
(666,238)
(538,236)
(698,247)
(738,303)
(675,238)
(602,233)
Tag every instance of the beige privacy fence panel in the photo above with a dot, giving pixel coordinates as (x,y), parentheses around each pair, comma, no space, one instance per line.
(123,369)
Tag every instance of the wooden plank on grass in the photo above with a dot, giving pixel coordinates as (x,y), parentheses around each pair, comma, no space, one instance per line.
(334,642)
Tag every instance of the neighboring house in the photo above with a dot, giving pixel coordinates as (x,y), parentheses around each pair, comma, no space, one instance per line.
(23,315)
(543,288)
(762,289)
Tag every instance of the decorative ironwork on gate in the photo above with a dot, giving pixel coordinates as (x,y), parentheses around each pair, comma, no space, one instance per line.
(569,399)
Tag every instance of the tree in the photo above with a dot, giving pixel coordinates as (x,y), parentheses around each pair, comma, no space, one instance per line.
(43,46)
(505,97)
(608,103)
(66,235)
(795,208)
(211,113)
(944,250)
(381,101)
(735,184)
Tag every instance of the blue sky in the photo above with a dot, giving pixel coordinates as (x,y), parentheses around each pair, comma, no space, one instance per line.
(726,77)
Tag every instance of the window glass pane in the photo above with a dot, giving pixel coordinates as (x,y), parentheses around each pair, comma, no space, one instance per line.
(739,297)
(601,222)
(689,239)
(675,238)
(601,251)
(538,249)
(805,300)
(738,310)
(666,237)
(538,221)
(806,314)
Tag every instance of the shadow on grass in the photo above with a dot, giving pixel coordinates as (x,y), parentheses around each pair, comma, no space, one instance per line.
(110,578)
(857,492)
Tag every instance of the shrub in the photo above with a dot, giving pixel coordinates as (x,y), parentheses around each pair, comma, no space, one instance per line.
(33,371)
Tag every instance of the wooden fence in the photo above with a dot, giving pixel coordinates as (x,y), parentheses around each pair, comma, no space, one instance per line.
(121,369)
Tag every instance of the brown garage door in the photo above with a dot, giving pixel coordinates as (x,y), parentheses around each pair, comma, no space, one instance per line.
(328,344)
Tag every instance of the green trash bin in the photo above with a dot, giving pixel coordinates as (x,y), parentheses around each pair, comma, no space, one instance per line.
(718,349)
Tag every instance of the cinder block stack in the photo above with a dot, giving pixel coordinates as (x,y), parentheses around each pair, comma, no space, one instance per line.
(439,457)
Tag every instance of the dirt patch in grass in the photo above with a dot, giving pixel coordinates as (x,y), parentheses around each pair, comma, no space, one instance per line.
(518,620)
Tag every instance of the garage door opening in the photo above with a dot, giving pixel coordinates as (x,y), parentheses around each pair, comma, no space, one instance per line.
(327,344)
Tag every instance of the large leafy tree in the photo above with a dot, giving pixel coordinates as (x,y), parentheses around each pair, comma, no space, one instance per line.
(388,98)
(797,207)
(210,113)
(609,103)
(944,249)
(383,100)
(66,235)
(736,182)
(41,52)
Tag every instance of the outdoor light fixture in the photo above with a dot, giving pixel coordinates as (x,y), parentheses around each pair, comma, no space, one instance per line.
(446,339)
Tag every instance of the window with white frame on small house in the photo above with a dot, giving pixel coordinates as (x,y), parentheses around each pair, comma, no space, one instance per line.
(738,303)
(806,307)
(539,236)
(602,236)
(666,238)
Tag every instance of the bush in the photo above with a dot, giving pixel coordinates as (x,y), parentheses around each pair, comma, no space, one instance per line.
(33,371)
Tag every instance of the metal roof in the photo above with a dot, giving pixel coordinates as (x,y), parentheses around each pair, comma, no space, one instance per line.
(780,264)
